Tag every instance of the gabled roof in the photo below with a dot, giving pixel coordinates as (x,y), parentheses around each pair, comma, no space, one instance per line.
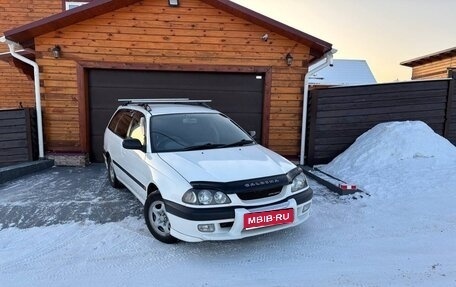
(344,73)
(25,34)
(451,52)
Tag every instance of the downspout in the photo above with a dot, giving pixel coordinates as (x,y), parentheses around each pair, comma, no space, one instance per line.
(39,120)
(328,61)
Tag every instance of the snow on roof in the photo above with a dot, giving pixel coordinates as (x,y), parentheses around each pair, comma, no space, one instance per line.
(344,73)
(392,148)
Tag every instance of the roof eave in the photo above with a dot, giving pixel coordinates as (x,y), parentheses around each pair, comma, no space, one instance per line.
(430,58)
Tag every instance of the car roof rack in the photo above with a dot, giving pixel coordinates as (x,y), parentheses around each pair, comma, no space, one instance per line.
(144,102)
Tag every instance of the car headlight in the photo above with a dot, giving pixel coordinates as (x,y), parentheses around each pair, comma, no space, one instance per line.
(205,197)
(299,182)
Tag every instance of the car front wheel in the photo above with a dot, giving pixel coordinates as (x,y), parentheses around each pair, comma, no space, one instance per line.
(157,220)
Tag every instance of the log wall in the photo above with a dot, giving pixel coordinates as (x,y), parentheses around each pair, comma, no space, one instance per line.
(434,70)
(15,87)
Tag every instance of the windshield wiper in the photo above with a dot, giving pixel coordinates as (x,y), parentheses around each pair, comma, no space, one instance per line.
(242,142)
(204,146)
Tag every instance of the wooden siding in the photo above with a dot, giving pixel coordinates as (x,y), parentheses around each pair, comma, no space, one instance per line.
(434,70)
(150,32)
(339,115)
(15,87)
(15,13)
(18,142)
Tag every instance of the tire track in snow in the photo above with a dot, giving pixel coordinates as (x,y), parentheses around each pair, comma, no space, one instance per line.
(32,257)
(63,195)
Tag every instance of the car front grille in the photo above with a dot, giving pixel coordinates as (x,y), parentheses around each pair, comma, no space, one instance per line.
(251,195)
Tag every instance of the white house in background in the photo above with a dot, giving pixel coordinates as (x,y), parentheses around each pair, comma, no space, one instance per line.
(343,73)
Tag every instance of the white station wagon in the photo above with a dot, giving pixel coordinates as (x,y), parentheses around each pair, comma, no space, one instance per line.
(199,175)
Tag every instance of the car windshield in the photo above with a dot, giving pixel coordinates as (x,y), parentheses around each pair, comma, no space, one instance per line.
(186,132)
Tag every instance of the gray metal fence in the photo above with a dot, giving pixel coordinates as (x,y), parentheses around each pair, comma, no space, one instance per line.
(337,116)
(18,137)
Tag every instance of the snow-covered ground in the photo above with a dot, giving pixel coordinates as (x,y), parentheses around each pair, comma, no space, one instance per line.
(402,234)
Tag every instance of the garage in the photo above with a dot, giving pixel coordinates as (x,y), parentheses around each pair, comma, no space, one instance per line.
(251,66)
(239,95)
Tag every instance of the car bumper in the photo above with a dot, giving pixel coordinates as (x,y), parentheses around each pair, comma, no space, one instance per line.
(228,222)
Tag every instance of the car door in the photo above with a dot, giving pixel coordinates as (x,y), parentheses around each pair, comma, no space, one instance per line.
(118,129)
(134,160)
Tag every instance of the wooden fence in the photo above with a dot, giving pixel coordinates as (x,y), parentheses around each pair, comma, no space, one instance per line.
(337,116)
(18,137)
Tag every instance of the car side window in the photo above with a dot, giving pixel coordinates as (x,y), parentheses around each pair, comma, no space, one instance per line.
(137,127)
(120,123)
(115,119)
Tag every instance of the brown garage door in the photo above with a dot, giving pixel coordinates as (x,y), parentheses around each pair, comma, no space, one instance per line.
(238,95)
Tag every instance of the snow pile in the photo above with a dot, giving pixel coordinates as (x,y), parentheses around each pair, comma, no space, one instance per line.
(396,146)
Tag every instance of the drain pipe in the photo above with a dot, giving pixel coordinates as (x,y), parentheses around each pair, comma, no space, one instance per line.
(12,48)
(328,62)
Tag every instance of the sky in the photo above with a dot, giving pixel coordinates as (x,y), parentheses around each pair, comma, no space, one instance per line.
(383,32)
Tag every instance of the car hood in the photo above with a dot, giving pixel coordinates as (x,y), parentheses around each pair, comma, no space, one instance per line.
(227,164)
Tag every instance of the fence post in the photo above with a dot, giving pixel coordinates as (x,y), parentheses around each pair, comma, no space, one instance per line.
(450,98)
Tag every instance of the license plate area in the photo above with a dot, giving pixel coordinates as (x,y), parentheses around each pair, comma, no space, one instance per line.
(268,218)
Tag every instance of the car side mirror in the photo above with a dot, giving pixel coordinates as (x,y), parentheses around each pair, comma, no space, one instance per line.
(252,134)
(132,144)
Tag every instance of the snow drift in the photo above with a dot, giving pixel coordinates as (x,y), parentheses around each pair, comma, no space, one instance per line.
(396,146)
